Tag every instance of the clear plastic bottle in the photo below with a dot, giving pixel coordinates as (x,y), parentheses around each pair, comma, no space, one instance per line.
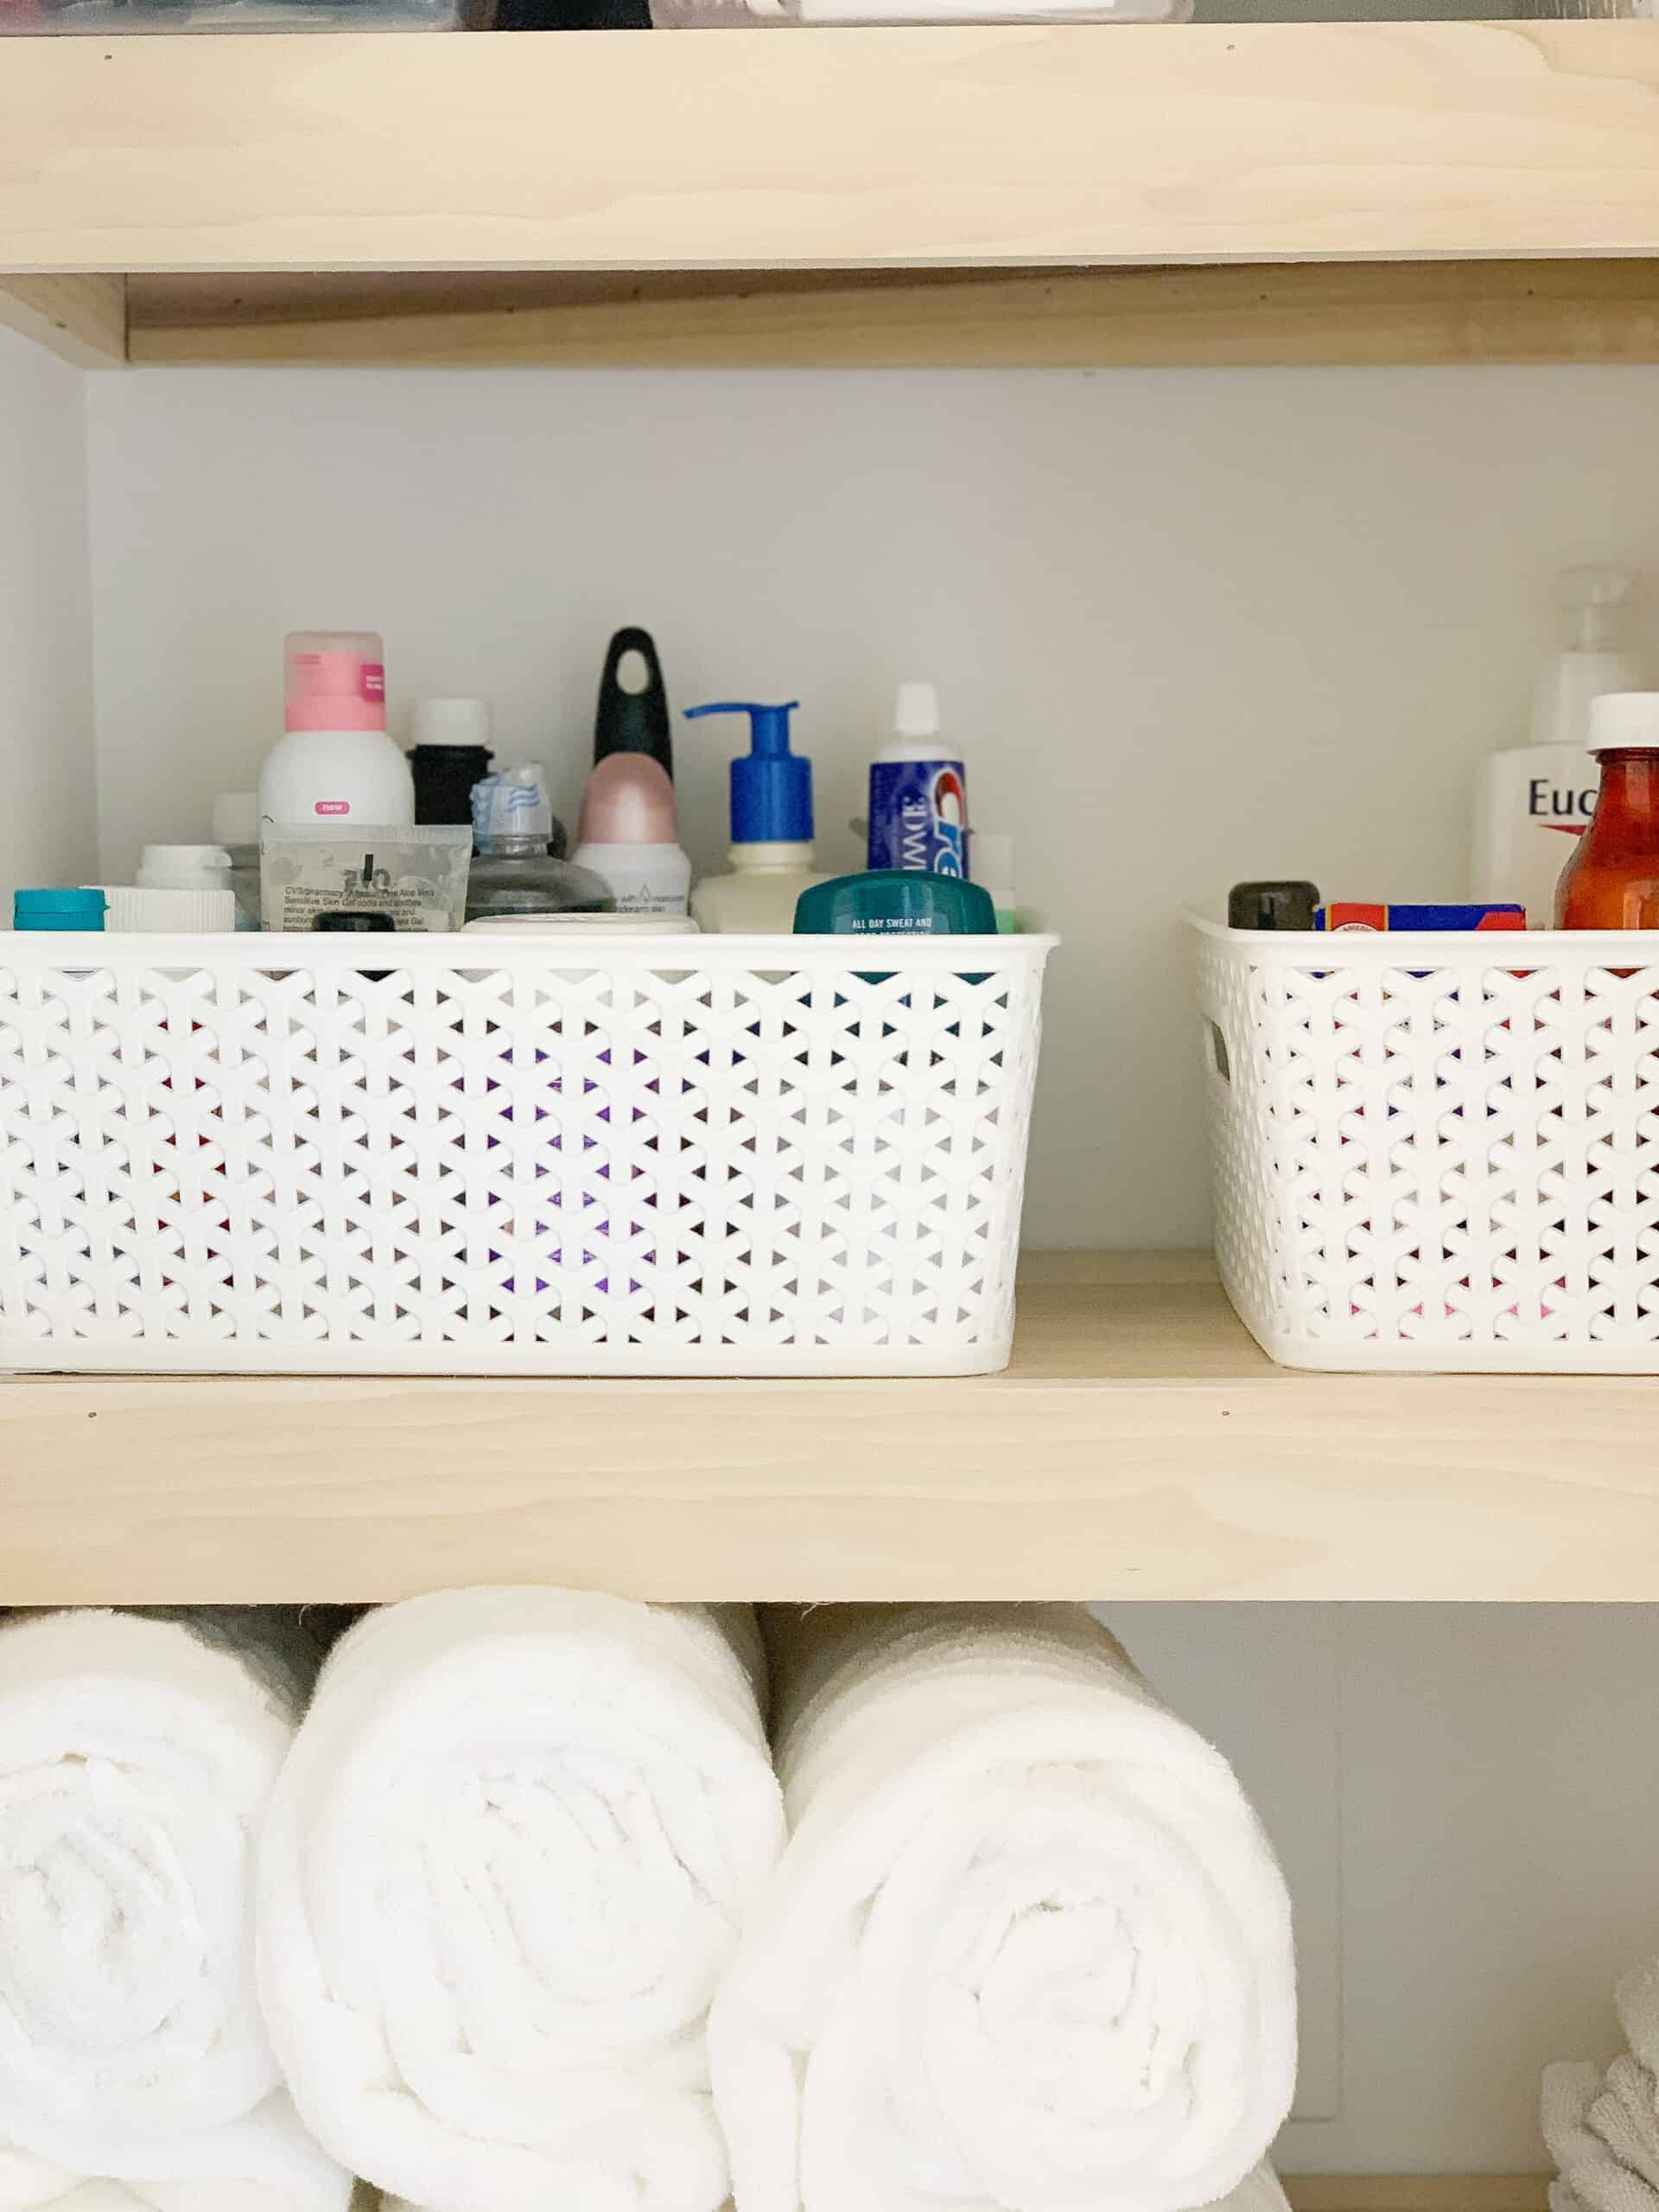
(512,871)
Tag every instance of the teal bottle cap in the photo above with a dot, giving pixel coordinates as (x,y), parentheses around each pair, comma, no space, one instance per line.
(56,909)
(895,902)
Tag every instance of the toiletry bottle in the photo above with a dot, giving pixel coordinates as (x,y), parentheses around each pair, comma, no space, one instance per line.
(336,761)
(512,871)
(1532,801)
(236,831)
(895,902)
(630,835)
(630,718)
(770,853)
(58,909)
(449,752)
(918,791)
(1611,878)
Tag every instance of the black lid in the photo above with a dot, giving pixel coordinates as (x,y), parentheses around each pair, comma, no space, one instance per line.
(1271,905)
(633,721)
(364,923)
(444,776)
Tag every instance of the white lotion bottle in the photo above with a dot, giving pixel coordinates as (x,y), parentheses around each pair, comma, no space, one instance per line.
(335,763)
(1532,801)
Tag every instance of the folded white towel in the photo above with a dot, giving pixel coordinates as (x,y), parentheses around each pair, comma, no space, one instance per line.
(1603,2130)
(1028,1946)
(506,1865)
(137,1756)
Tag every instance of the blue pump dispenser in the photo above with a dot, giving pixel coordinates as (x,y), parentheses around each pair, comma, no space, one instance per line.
(771,787)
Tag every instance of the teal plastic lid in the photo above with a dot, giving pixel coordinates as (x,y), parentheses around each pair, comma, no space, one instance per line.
(56,909)
(895,902)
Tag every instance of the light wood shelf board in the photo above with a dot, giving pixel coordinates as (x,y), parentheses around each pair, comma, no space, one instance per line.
(82,319)
(989,146)
(1354,314)
(1140,1447)
(1417,2192)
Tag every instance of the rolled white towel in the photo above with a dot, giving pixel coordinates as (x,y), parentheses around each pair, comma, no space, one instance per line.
(138,1756)
(1602,2129)
(506,1865)
(1028,1946)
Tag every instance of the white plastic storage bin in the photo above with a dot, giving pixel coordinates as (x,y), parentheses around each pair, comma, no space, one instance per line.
(689,1156)
(1437,1151)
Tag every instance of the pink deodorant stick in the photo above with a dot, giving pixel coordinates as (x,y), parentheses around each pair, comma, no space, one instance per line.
(630,832)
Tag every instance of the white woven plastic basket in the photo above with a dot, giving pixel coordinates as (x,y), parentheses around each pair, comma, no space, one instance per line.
(1437,1151)
(666,1157)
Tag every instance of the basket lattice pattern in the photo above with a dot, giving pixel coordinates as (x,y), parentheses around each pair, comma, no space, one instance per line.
(1448,1165)
(213,1161)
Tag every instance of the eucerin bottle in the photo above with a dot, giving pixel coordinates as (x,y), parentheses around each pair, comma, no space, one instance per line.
(1532,801)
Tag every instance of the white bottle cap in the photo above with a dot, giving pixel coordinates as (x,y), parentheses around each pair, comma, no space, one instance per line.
(145,911)
(513,804)
(1624,721)
(185,867)
(451,721)
(917,713)
(236,818)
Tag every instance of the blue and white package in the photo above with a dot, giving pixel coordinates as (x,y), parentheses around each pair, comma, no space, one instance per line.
(919,795)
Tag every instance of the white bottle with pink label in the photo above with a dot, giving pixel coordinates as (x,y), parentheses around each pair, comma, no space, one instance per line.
(335,763)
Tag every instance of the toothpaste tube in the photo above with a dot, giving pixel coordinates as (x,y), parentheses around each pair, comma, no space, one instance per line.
(1374,918)
(918,794)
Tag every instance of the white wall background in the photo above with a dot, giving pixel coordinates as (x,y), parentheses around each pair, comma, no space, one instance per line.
(1467,1815)
(48,820)
(1191,626)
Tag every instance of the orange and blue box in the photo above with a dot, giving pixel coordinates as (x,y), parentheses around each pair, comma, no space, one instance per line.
(1357,916)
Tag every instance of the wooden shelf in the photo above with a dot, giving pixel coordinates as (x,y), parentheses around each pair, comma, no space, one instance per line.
(1418,2192)
(1253,315)
(1140,1447)
(1023,194)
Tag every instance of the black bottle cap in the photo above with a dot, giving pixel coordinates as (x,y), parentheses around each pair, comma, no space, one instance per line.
(364,922)
(1271,905)
(444,776)
(633,721)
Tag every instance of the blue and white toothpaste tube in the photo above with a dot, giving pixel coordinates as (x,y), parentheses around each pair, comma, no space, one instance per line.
(918,793)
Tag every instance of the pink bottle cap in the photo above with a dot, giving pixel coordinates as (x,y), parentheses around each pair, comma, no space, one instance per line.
(629,801)
(335,679)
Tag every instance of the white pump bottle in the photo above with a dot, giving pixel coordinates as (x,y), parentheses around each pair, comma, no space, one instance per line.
(1532,801)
